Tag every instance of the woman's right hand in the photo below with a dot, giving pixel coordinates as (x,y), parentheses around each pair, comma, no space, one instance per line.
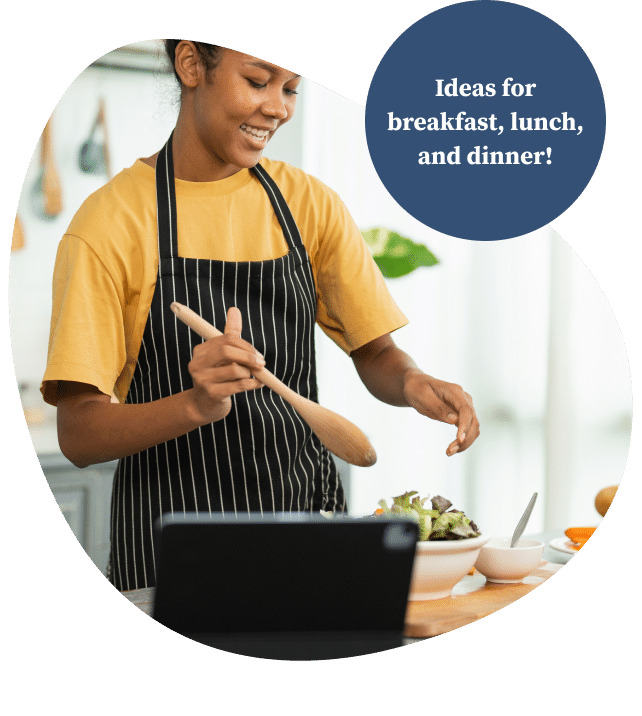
(221,367)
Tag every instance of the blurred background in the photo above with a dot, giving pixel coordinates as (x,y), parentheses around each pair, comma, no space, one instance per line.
(521,324)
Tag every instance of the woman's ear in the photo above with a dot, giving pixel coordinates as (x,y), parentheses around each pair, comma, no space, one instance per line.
(188,63)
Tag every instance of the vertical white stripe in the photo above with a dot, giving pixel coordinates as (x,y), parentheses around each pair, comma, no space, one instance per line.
(272,396)
(116,530)
(257,477)
(133,519)
(216,463)
(200,430)
(285,409)
(149,398)
(260,392)
(287,268)
(265,390)
(141,519)
(227,442)
(182,388)
(238,425)
(124,526)
(310,332)
(138,384)
(180,377)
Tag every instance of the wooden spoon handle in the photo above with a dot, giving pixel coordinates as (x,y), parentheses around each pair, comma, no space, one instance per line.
(50,180)
(339,435)
(18,239)
(101,119)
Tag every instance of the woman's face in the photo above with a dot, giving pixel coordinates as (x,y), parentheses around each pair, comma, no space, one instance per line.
(239,107)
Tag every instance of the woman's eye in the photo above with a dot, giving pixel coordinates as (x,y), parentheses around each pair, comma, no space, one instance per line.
(257,84)
(290,91)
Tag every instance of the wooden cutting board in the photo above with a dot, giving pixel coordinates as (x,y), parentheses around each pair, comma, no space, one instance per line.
(472,599)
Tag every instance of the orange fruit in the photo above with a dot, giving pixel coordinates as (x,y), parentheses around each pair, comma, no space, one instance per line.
(604,499)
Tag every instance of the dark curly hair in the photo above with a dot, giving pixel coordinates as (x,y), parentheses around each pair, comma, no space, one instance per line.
(208,54)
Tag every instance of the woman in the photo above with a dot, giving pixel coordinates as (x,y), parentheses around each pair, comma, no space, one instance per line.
(250,244)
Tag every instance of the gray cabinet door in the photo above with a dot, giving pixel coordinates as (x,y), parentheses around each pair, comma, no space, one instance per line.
(83,496)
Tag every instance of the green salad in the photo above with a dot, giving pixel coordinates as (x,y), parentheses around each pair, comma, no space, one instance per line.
(438,523)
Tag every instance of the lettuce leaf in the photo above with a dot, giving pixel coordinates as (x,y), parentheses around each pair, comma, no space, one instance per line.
(436,523)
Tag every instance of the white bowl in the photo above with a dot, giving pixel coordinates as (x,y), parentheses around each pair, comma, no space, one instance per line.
(500,563)
(440,564)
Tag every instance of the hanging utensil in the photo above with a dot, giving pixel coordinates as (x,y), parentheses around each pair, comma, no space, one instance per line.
(46,194)
(339,435)
(18,238)
(521,525)
(93,157)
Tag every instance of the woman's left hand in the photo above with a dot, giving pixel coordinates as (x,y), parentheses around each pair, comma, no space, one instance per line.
(446,402)
(393,377)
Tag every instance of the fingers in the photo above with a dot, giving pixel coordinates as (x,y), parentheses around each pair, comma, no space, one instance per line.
(453,448)
(214,386)
(472,435)
(225,373)
(230,347)
(226,364)
(234,324)
(466,414)
(218,390)
(448,403)
(468,428)
(438,400)
(221,351)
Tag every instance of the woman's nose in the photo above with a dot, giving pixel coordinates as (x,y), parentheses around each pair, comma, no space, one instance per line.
(275,106)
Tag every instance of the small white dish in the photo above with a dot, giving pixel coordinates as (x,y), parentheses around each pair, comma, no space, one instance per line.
(503,564)
(562,544)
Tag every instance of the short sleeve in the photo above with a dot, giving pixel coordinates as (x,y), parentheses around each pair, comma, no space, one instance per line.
(86,340)
(354,303)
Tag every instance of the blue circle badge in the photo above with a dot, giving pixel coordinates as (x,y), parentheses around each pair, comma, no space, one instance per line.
(485,120)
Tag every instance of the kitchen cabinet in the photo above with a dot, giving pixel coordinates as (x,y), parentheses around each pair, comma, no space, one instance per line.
(84,499)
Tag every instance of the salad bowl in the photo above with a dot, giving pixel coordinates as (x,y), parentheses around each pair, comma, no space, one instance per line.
(440,564)
(448,546)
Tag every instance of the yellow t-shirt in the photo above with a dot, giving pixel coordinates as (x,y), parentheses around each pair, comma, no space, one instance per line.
(107,264)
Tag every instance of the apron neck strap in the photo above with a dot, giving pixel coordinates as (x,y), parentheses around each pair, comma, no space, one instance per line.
(280,206)
(166,203)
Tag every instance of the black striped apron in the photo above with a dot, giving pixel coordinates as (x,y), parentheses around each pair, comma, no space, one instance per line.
(262,457)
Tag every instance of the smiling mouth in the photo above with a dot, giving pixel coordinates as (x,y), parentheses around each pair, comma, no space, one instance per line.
(260,134)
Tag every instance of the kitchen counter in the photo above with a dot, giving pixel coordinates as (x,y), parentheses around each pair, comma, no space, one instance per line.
(472,598)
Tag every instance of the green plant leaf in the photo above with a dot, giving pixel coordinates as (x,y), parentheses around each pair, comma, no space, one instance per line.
(397,255)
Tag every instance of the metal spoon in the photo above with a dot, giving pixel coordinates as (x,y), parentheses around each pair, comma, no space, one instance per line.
(521,525)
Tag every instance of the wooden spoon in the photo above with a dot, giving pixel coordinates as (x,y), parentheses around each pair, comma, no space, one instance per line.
(51,187)
(18,238)
(339,435)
